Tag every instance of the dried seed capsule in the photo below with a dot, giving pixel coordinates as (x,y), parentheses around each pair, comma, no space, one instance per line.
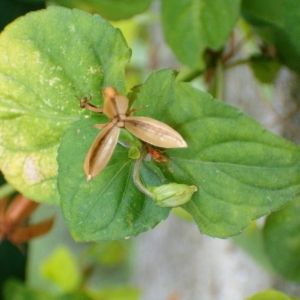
(115,104)
(24,234)
(149,130)
(101,150)
(20,209)
(154,132)
(12,219)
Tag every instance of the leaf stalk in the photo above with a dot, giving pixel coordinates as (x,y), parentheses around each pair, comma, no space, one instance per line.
(136,174)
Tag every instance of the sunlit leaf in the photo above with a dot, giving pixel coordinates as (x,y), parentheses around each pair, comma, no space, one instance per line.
(270,295)
(62,269)
(46,58)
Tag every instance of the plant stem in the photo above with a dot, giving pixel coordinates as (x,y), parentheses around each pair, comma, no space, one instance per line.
(237,63)
(136,173)
(219,81)
(192,75)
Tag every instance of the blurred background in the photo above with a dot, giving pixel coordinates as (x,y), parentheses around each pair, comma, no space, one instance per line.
(173,261)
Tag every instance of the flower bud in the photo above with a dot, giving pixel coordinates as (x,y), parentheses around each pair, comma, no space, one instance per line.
(172,194)
(134,153)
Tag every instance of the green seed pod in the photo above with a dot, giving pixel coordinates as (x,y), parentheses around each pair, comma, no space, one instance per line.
(172,194)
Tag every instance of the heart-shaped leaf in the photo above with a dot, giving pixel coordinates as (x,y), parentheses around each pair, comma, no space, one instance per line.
(46,58)
(110,206)
(191,26)
(241,170)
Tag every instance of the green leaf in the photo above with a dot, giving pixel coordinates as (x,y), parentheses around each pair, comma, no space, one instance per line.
(265,69)
(270,295)
(17,291)
(117,293)
(110,253)
(109,9)
(191,26)
(277,22)
(282,239)
(241,170)
(62,269)
(46,58)
(180,213)
(110,206)
(74,296)
(253,243)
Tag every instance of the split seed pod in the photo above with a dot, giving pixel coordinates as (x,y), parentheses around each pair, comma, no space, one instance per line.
(154,132)
(146,129)
(101,150)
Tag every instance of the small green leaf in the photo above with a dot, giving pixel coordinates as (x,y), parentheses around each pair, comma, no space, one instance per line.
(109,206)
(116,293)
(134,153)
(18,291)
(270,295)
(110,253)
(265,69)
(15,290)
(62,269)
(47,58)
(74,296)
(242,171)
(191,26)
(109,9)
(180,213)
(282,239)
(253,243)
(277,21)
